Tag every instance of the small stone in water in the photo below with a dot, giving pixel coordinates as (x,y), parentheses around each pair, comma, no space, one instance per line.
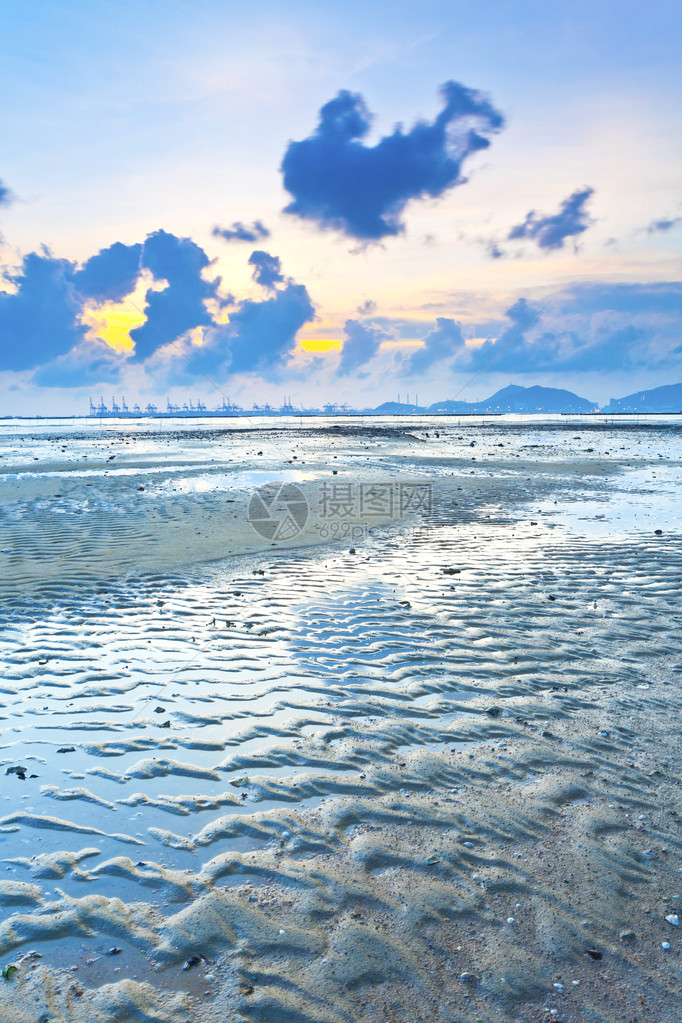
(665,944)
(510,920)
(673,919)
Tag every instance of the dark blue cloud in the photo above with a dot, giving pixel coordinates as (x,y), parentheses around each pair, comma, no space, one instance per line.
(242,232)
(39,321)
(180,306)
(550,232)
(360,344)
(258,338)
(339,182)
(5,194)
(262,334)
(664,224)
(267,269)
(367,308)
(441,343)
(111,274)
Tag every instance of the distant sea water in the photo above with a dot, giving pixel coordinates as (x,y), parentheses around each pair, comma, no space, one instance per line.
(70,424)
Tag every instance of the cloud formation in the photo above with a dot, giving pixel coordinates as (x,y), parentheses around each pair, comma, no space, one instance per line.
(259,336)
(340,183)
(42,328)
(443,342)
(587,327)
(664,224)
(89,362)
(242,232)
(48,304)
(39,321)
(550,232)
(5,194)
(111,274)
(360,345)
(181,305)
(267,269)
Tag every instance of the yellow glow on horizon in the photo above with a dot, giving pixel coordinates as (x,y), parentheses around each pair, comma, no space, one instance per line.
(319,344)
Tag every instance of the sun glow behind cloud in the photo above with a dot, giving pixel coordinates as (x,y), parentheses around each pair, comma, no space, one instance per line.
(319,344)
(113,321)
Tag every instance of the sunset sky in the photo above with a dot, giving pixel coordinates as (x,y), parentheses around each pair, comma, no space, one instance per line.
(337,201)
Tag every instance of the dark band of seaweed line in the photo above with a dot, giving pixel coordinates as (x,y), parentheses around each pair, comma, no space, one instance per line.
(515,336)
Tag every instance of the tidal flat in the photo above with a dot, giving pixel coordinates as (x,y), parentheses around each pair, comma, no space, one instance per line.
(405,745)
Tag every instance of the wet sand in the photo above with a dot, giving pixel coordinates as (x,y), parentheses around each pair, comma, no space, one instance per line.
(433,775)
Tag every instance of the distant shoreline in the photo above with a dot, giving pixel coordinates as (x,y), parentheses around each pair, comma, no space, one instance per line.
(131,417)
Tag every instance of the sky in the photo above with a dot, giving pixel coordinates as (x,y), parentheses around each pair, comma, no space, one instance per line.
(338,202)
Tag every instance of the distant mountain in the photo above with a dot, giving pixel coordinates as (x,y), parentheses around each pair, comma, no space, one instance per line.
(546,399)
(660,399)
(520,399)
(396,408)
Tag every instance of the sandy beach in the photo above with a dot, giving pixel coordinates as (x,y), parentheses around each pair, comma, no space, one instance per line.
(342,723)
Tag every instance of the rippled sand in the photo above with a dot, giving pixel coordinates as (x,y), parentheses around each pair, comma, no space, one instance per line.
(433,775)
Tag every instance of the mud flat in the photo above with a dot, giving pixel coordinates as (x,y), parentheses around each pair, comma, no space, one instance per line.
(426,769)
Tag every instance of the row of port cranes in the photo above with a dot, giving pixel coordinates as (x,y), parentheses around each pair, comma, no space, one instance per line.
(198,408)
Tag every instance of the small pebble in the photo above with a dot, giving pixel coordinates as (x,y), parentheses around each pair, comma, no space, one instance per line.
(559,987)
(673,919)
(665,944)
(510,920)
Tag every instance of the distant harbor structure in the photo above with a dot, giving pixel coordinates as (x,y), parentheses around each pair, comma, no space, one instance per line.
(511,400)
(120,410)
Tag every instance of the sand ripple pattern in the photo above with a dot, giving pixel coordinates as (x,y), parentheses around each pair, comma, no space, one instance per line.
(328,772)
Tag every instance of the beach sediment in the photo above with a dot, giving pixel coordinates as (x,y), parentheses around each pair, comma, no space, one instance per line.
(434,776)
